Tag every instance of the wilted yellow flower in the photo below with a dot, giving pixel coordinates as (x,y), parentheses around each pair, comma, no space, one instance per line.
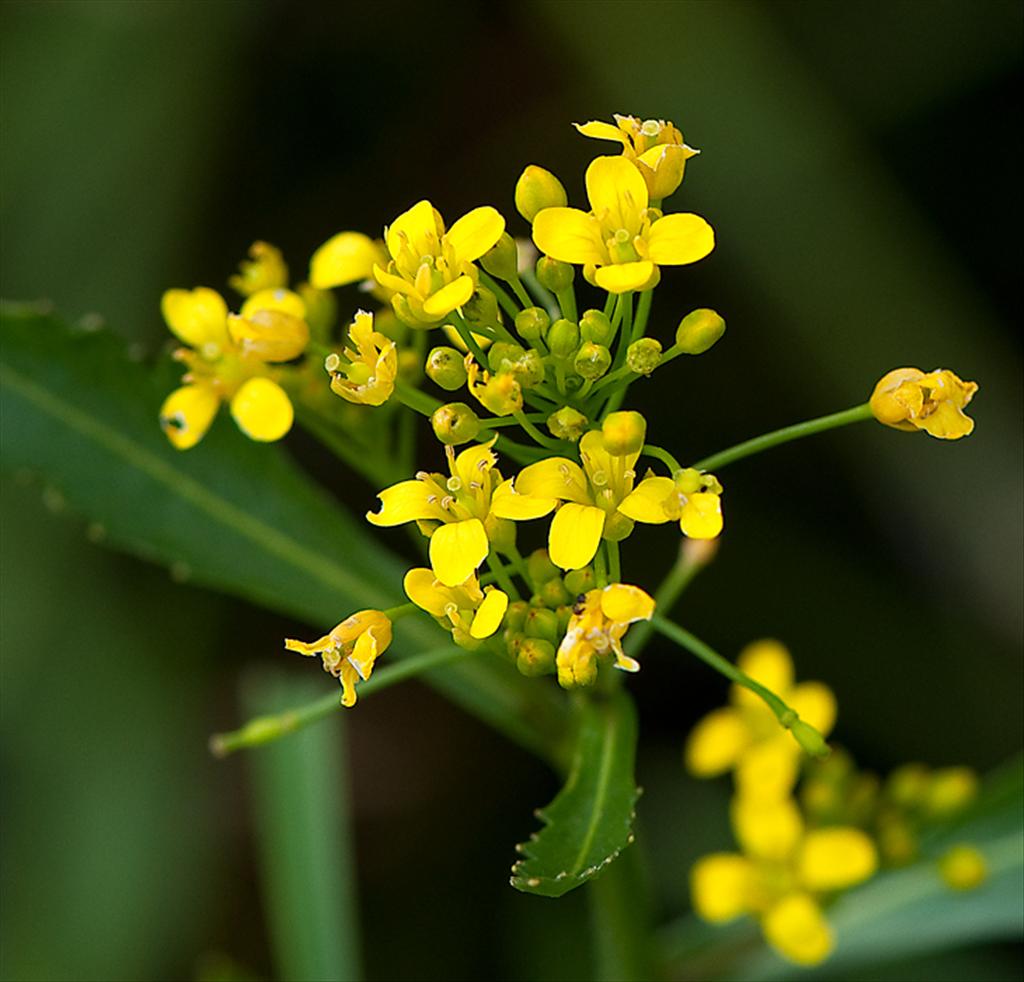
(621,239)
(465,610)
(690,498)
(500,393)
(350,650)
(782,871)
(747,737)
(909,399)
(599,621)
(368,374)
(265,269)
(431,270)
(655,147)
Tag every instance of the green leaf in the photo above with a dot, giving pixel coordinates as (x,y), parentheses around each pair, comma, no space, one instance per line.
(591,819)
(80,410)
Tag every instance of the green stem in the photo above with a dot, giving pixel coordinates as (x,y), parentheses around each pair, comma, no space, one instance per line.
(787,433)
(502,578)
(543,296)
(519,565)
(567,302)
(466,333)
(620,919)
(519,452)
(531,430)
(496,422)
(504,300)
(521,295)
(643,312)
(609,305)
(600,567)
(659,453)
(266,729)
(614,568)
(414,399)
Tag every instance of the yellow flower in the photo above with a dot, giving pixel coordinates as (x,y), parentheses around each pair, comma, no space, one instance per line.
(622,239)
(691,498)
(747,737)
(466,610)
(591,495)
(350,650)
(226,358)
(265,269)
(908,399)
(655,147)
(779,876)
(451,510)
(431,270)
(348,257)
(501,393)
(599,620)
(368,376)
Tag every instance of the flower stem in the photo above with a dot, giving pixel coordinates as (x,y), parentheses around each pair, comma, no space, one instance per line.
(659,453)
(415,399)
(787,433)
(504,300)
(545,441)
(543,296)
(567,302)
(614,568)
(502,578)
(468,340)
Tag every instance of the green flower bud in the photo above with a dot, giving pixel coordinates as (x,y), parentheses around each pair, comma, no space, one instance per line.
(481,308)
(592,360)
(400,305)
(501,533)
(949,790)
(540,568)
(580,581)
(515,616)
(542,623)
(532,323)
(554,594)
(689,480)
(321,310)
(530,370)
(644,356)
(624,432)
(963,868)
(446,367)
(596,327)
(564,616)
(503,356)
(617,527)
(563,338)
(538,189)
(699,330)
(553,275)
(812,742)
(535,656)
(513,639)
(502,261)
(455,423)
(567,424)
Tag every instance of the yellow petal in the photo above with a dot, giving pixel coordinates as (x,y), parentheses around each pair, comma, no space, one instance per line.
(796,928)
(814,703)
(947,422)
(617,193)
(624,277)
(508,503)
(569,235)
(768,662)
(575,535)
(187,413)
(602,131)
(676,240)
(475,233)
(721,885)
(419,228)
(835,858)
(393,282)
(422,588)
(280,300)
(199,317)
(768,770)
(473,464)
(348,257)
(269,335)
(445,300)
(716,742)
(407,501)
(457,549)
(488,617)
(646,502)
(768,830)
(556,477)
(262,410)
(701,517)
(625,604)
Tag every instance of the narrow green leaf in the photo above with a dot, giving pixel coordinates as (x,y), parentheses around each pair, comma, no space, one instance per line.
(590,821)
(80,411)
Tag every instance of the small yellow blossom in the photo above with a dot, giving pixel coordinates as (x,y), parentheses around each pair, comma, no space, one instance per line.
(350,650)
(599,621)
(690,498)
(348,257)
(621,239)
(747,737)
(654,146)
(431,269)
(501,393)
(265,269)
(368,374)
(226,360)
(589,495)
(963,868)
(465,610)
(779,876)
(909,399)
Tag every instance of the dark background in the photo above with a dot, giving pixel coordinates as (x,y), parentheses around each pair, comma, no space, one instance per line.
(861,167)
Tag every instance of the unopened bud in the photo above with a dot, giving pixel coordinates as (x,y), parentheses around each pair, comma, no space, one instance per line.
(535,656)
(644,356)
(554,275)
(689,480)
(540,569)
(567,424)
(538,189)
(542,623)
(446,367)
(580,581)
(502,260)
(481,308)
(812,742)
(455,423)
(950,790)
(592,360)
(515,616)
(563,338)
(963,868)
(596,327)
(532,323)
(502,356)
(554,594)
(699,330)
(624,432)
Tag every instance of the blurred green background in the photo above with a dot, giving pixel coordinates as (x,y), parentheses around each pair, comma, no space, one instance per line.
(861,167)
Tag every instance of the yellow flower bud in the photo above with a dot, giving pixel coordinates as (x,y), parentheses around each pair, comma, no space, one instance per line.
(446,367)
(455,424)
(698,331)
(643,356)
(909,399)
(624,432)
(963,868)
(567,424)
(950,790)
(554,275)
(502,261)
(537,189)
(265,269)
